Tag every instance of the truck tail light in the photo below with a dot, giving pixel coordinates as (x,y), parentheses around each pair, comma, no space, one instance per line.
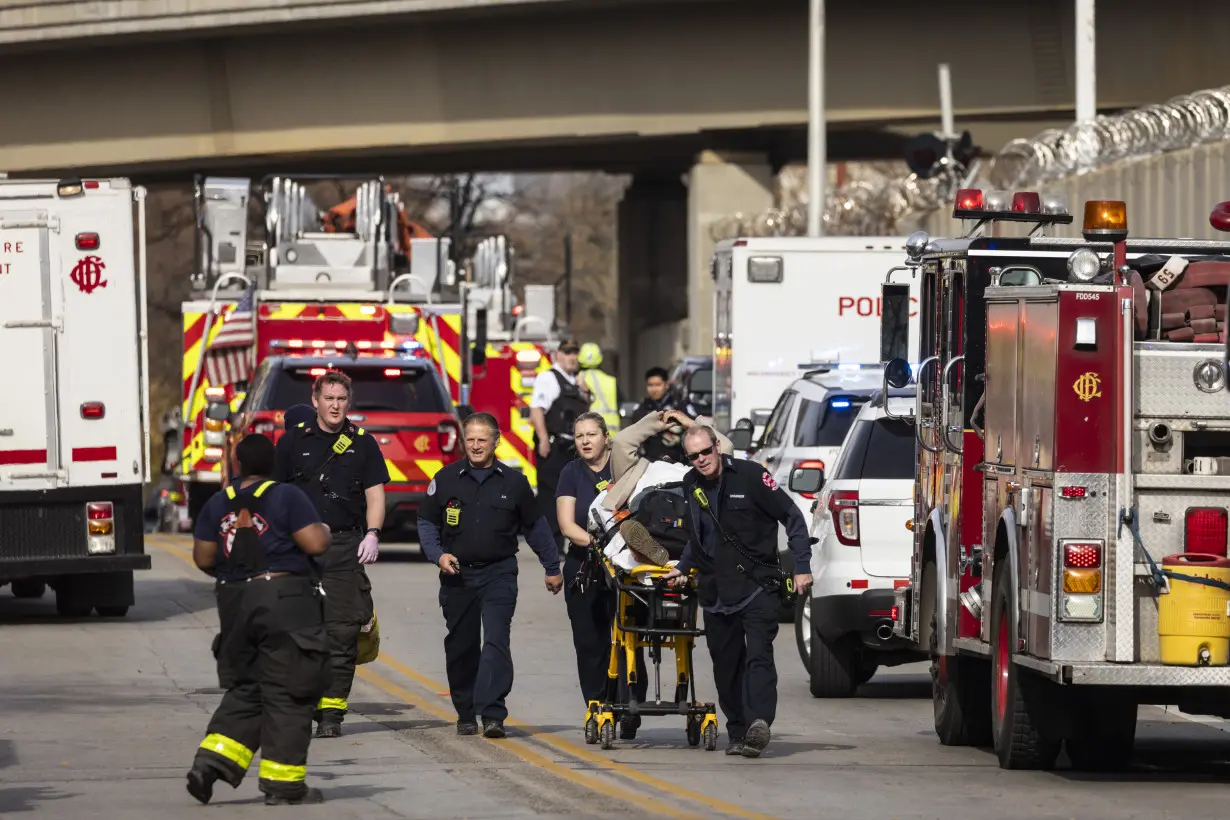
(804,465)
(1205,531)
(93,410)
(1081,600)
(100,527)
(843,506)
(88,242)
(392,372)
(448,433)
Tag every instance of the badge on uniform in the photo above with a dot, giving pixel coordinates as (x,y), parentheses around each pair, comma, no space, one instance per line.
(452,514)
(602,485)
(343,442)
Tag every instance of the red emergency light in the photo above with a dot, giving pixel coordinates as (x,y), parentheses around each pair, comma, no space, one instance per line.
(88,242)
(1026,202)
(1024,206)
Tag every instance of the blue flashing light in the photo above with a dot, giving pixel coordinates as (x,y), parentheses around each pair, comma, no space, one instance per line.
(849,366)
(840,404)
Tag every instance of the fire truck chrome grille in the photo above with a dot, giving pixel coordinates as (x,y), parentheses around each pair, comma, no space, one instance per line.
(1081,518)
(50,531)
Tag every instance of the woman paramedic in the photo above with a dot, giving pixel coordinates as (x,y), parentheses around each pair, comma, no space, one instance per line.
(590,602)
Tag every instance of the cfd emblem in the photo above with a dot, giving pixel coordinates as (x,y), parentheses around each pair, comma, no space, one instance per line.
(88,274)
(422,443)
(1088,386)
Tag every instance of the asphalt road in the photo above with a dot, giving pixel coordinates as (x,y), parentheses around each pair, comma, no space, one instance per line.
(101,718)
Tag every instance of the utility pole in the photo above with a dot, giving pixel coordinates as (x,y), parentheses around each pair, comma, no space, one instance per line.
(1086,62)
(817,148)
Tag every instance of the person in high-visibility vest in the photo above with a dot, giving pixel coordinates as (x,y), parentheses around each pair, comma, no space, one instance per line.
(602,385)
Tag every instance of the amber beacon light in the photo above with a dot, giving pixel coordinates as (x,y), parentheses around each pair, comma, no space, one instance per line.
(1105,220)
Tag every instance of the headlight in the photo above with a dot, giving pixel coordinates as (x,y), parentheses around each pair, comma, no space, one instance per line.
(1083,265)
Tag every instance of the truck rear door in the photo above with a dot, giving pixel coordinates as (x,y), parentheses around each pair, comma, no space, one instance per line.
(29,314)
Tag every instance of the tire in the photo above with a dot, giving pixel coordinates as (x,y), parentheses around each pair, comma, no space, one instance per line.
(1017,701)
(1105,734)
(26,588)
(710,737)
(693,731)
(960,686)
(606,735)
(118,611)
(802,629)
(833,667)
(591,731)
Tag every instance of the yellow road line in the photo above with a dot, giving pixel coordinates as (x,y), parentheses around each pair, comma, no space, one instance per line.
(578,751)
(169,547)
(519,749)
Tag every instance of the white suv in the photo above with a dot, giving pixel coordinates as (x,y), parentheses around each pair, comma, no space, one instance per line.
(862,517)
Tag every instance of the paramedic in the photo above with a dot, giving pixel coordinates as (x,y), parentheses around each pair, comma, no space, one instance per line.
(591,603)
(601,385)
(736,507)
(272,651)
(558,398)
(666,444)
(342,470)
(468,526)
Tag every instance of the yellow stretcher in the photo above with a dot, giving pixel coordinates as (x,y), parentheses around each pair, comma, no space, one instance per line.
(656,617)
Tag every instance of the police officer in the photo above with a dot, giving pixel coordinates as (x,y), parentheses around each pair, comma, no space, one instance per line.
(736,506)
(257,539)
(468,526)
(558,398)
(341,469)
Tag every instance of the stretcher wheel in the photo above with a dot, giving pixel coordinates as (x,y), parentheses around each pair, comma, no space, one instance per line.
(710,737)
(607,735)
(693,731)
(591,731)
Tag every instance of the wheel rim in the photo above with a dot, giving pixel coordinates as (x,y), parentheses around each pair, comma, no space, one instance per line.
(1001,666)
(805,625)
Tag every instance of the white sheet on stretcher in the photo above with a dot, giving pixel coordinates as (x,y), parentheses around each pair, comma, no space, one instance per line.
(658,472)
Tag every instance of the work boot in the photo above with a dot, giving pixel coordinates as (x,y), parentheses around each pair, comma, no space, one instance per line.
(312,795)
(639,540)
(493,728)
(757,738)
(628,727)
(467,727)
(201,783)
(735,748)
(330,724)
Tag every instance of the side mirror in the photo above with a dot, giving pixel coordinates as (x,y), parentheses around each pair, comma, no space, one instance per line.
(740,438)
(744,424)
(478,355)
(806,480)
(897,373)
(894,321)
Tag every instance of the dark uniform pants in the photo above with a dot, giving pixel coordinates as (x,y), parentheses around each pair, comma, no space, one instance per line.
(741,646)
(478,610)
(592,614)
(563,450)
(273,662)
(348,606)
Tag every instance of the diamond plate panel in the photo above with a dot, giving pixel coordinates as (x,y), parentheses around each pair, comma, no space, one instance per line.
(1165,384)
(1088,517)
(1150,674)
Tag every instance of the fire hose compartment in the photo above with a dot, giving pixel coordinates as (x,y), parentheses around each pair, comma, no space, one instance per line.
(1193,626)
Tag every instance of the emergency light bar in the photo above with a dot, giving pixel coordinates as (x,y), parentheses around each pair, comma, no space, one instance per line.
(312,345)
(1022,206)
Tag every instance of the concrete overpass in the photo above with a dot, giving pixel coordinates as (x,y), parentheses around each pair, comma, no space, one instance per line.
(702,100)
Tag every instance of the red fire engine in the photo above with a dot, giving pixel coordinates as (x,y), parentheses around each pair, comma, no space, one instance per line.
(314,285)
(1070,523)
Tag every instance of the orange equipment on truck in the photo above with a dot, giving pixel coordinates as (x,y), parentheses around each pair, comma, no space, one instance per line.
(1052,536)
(379,288)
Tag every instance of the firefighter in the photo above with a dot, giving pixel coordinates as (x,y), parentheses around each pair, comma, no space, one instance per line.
(735,507)
(559,396)
(601,385)
(257,539)
(468,525)
(342,470)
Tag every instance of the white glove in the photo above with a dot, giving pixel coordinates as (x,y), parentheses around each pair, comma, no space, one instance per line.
(369,549)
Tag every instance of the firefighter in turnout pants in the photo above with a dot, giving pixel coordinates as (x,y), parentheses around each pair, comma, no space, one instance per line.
(342,470)
(257,539)
(735,507)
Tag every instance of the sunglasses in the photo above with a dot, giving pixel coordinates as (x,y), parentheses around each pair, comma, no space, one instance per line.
(708,451)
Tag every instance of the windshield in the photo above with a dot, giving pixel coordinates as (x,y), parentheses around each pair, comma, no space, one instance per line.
(825,423)
(413,390)
(701,382)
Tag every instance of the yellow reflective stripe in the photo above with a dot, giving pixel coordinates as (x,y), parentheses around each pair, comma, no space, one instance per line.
(232,750)
(282,772)
(261,489)
(332,703)
(429,466)
(230,493)
(396,476)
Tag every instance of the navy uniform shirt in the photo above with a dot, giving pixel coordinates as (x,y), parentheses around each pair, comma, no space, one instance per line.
(578,481)
(337,490)
(478,515)
(283,510)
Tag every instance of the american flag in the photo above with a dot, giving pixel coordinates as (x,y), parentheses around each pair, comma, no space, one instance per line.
(229,358)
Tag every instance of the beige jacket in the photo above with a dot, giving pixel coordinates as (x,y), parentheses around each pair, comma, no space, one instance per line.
(628,465)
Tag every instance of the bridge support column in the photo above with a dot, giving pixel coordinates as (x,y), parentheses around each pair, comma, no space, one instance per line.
(719,185)
(653,276)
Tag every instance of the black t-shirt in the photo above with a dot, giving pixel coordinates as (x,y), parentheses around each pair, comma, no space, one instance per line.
(283,510)
(579,482)
(357,466)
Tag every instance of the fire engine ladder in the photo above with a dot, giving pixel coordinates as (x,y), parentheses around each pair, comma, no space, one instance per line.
(188,420)
(437,354)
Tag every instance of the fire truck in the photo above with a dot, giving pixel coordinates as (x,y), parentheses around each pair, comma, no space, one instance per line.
(360,277)
(1070,522)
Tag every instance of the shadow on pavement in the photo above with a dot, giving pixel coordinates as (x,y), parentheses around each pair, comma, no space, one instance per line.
(8,754)
(157,599)
(88,699)
(903,688)
(331,794)
(28,798)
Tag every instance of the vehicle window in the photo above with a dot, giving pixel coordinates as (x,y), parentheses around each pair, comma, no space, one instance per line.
(413,390)
(701,382)
(850,461)
(825,423)
(776,425)
(890,450)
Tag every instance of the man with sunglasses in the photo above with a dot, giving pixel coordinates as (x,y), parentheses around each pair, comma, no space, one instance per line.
(736,507)
(558,398)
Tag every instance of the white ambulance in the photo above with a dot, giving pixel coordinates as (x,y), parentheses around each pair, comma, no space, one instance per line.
(74,423)
(786,306)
